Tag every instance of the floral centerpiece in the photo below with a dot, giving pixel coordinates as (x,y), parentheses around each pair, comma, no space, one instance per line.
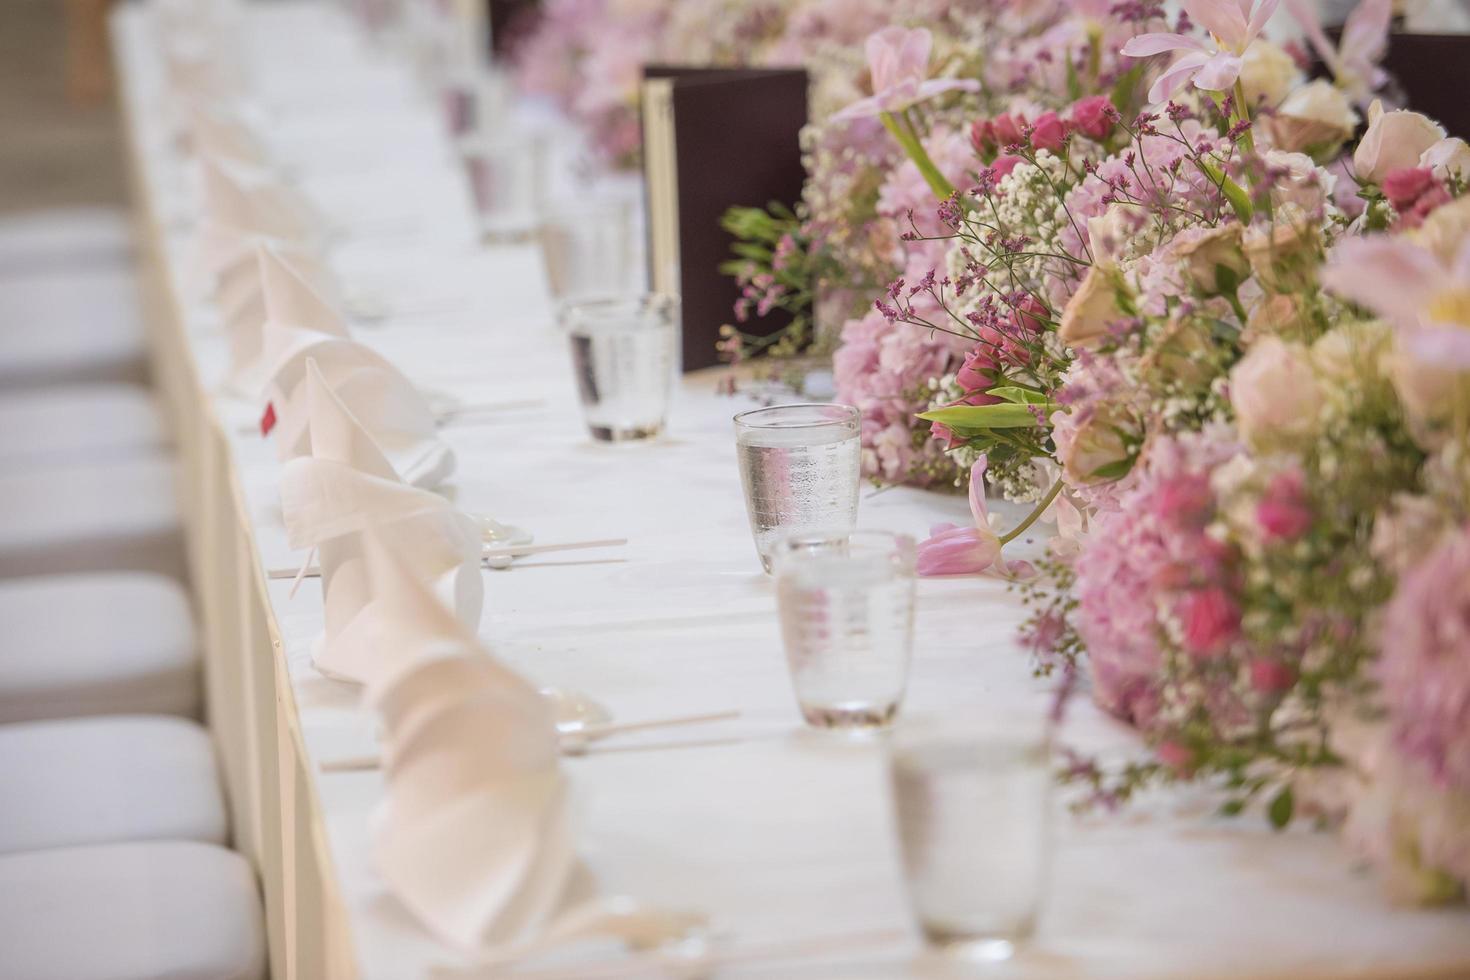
(1227,350)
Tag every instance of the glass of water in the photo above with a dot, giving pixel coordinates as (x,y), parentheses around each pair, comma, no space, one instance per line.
(973,808)
(799,466)
(846,600)
(623,352)
(591,249)
(507,174)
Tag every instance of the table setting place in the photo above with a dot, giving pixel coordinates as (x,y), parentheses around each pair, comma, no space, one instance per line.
(800,488)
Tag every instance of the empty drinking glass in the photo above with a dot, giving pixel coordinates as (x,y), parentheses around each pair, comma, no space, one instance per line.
(507,175)
(847,620)
(591,249)
(973,808)
(623,355)
(799,468)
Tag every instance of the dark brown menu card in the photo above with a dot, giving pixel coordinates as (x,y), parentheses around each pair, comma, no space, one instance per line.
(714,138)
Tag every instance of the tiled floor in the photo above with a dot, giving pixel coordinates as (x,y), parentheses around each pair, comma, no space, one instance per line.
(51,152)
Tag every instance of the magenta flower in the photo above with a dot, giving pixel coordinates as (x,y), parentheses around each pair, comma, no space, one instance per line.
(898,62)
(954,550)
(1233,25)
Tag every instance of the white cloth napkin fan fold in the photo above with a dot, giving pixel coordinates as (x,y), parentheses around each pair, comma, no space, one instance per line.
(346,486)
(276,284)
(474,836)
(301,326)
(258,202)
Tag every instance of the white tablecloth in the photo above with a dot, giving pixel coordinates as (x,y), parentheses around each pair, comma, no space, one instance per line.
(776,832)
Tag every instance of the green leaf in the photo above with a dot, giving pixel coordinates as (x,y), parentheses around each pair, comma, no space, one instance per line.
(1115,470)
(1232,808)
(1239,200)
(1022,396)
(1281,807)
(1074,84)
(1004,416)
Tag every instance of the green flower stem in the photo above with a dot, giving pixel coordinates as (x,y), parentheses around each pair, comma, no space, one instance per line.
(1242,114)
(1036,512)
(937,182)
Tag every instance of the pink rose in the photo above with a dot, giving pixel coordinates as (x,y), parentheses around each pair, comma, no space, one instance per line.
(1406,185)
(1007,129)
(1094,117)
(1004,165)
(1211,620)
(1048,133)
(1030,315)
(975,375)
(1270,676)
(982,137)
(1283,514)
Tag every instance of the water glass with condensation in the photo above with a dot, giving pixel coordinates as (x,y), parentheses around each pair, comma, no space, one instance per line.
(799,467)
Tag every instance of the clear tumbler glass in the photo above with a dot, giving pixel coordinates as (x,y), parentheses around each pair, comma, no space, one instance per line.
(799,466)
(847,620)
(623,352)
(973,808)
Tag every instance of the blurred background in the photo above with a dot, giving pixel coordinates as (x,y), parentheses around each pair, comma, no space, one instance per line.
(59,138)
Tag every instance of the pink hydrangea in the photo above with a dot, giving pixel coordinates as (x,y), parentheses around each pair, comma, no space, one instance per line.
(881,368)
(1425,665)
(1147,568)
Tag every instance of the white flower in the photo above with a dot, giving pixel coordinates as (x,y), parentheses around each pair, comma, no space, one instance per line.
(1394,140)
(1268,74)
(1448,156)
(1274,392)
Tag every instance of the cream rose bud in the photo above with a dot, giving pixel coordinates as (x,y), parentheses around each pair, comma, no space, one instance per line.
(1213,258)
(1089,314)
(1394,140)
(1448,157)
(1096,445)
(1268,73)
(1317,117)
(1275,393)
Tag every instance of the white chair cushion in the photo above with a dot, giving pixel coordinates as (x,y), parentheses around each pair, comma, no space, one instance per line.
(158,910)
(84,517)
(112,643)
(71,237)
(68,423)
(105,780)
(67,326)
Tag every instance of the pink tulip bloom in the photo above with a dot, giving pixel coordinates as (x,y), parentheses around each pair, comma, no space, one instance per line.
(1353,62)
(954,550)
(1233,25)
(898,62)
(1426,298)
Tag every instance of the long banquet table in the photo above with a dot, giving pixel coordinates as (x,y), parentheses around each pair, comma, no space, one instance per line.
(781,836)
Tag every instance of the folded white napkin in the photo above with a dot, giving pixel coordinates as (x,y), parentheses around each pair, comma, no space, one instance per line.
(346,486)
(383,401)
(474,836)
(221,131)
(256,201)
(278,283)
